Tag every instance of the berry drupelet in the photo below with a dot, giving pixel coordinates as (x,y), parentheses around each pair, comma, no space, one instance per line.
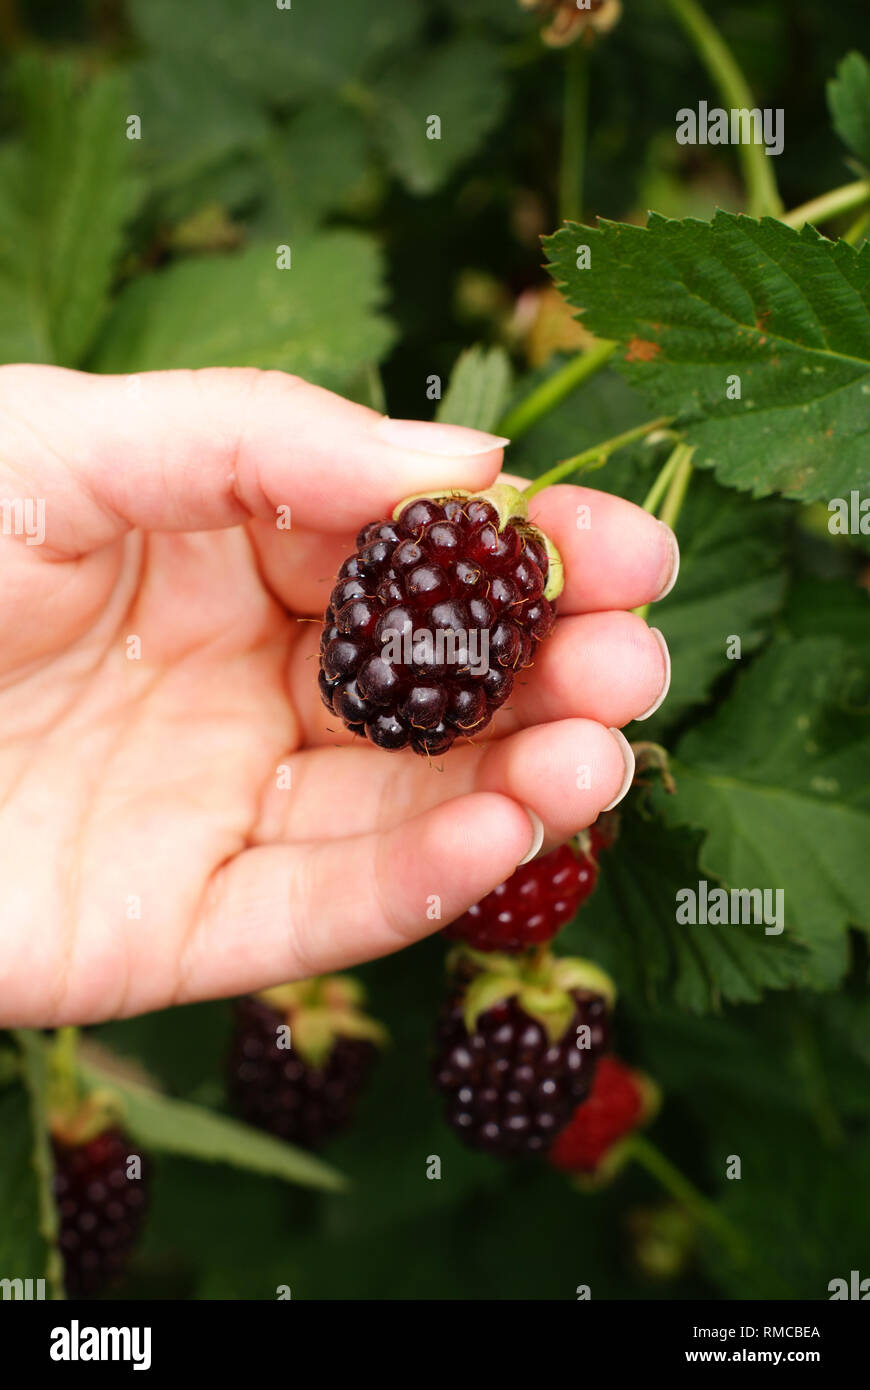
(433,616)
(100,1208)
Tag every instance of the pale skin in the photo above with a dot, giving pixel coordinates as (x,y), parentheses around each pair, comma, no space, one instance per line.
(148,854)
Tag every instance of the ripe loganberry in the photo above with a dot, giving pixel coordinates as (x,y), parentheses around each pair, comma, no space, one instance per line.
(620,1100)
(433,616)
(101,1209)
(540,897)
(300,1056)
(516,1048)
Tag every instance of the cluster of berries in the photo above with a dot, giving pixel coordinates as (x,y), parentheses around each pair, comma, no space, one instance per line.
(520,1043)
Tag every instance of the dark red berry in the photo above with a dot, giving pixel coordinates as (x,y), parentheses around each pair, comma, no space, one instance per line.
(529,908)
(100,1208)
(277,1089)
(509,1088)
(614,1107)
(441,601)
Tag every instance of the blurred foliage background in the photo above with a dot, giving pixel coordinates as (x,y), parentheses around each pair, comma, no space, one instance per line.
(306,128)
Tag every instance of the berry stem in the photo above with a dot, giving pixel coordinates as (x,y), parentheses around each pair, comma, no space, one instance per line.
(575,114)
(762,193)
(638,1147)
(660,486)
(672,483)
(677,489)
(845,199)
(554,390)
(64,1070)
(595,457)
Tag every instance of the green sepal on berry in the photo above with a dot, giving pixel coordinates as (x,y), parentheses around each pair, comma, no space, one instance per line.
(542,984)
(320,1011)
(512,507)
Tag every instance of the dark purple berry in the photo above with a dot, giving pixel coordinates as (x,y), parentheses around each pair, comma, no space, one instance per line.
(439,601)
(276,1089)
(509,1089)
(101,1209)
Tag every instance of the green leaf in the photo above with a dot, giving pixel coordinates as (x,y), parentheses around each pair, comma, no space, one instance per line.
(318,319)
(22,1246)
(849,101)
(832,608)
(35,1076)
(460,84)
(192,117)
(732,584)
(281,54)
(478,389)
(629,927)
(320,164)
(65,195)
(779,782)
(175,1126)
(695,303)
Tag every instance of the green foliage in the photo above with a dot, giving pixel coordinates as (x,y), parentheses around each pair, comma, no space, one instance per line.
(307,127)
(849,100)
(65,195)
(163,1124)
(693,304)
(631,928)
(461,85)
(478,390)
(317,318)
(779,779)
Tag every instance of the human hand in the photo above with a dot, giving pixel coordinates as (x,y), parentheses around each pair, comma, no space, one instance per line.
(149,854)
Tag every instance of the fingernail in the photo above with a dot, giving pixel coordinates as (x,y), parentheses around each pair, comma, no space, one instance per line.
(628,757)
(449,441)
(673,564)
(538,829)
(666,657)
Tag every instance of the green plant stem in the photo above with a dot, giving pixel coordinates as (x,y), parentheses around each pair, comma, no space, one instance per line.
(595,457)
(677,1184)
(762,193)
(660,486)
(833,204)
(63,1069)
(553,391)
(575,113)
(677,489)
(668,493)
